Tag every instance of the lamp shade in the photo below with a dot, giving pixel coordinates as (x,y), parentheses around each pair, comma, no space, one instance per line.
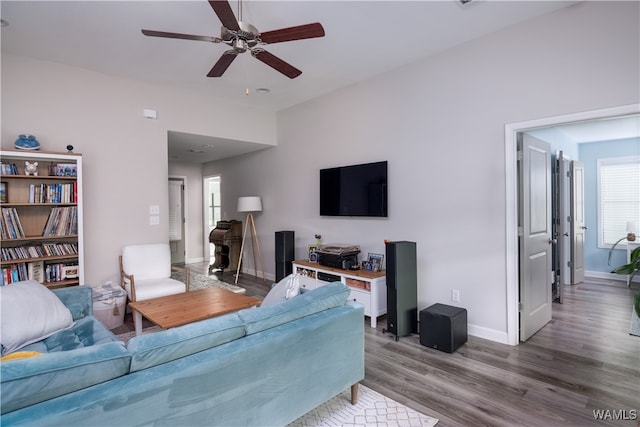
(249,204)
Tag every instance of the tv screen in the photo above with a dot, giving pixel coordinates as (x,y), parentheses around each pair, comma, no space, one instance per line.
(356,190)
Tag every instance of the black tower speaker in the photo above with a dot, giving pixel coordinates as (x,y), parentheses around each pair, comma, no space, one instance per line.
(285,253)
(402,289)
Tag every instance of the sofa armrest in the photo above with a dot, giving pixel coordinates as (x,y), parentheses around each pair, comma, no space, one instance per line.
(78,299)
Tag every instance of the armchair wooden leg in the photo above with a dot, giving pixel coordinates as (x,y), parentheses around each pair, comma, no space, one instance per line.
(354,393)
(137,322)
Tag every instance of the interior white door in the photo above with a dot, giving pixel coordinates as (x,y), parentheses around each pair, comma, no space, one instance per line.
(578,228)
(535,223)
(563,236)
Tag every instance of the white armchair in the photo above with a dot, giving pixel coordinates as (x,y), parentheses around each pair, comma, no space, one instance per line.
(145,273)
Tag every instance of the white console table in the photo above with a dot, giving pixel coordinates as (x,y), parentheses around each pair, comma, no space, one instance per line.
(368,288)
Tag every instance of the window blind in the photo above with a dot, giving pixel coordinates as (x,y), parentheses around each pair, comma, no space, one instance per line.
(619,197)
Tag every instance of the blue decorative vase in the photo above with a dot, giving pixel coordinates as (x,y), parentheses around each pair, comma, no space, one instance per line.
(27,142)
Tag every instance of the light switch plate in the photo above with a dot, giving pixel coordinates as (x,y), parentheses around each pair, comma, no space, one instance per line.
(154,210)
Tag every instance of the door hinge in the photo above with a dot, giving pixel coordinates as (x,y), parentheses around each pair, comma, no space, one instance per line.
(520,231)
(520,306)
(569,264)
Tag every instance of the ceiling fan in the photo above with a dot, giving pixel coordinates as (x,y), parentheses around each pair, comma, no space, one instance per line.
(242,36)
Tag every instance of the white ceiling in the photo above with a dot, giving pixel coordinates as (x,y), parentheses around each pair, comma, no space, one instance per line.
(363,39)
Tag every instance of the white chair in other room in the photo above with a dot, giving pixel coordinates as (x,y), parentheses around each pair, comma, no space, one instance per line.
(145,273)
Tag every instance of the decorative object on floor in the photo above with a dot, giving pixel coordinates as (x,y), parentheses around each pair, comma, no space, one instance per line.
(27,142)
(250,204)
(200,281)
(372,409)
(635,323)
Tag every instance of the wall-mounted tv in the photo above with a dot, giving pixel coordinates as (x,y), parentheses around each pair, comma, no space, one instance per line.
(356,190)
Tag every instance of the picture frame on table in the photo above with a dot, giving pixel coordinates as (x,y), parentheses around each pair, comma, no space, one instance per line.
(4,192)
(312,254)
(375,261)
(70,272)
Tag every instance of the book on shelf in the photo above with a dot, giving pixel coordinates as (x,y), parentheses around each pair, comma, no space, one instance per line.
(39,271)
(35,271)
(8,168)
(39,251)
(62,221)
(53,193)
(11,227)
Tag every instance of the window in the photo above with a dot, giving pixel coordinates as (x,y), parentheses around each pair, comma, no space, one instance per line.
(618,198)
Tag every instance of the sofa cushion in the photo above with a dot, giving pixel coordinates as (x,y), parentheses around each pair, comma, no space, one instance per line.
(285,289)
(30,313)
(86,332)
(323,298)
(29,381)
(165,346)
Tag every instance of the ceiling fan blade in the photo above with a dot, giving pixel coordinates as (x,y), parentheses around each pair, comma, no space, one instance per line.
(276,63)
(153,33)
(222,8)
(299,32)
(223,63)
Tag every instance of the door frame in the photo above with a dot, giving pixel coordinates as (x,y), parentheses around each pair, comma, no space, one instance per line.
(185,212)
(511,205)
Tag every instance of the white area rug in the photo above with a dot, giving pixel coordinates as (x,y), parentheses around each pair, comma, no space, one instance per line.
(372,409)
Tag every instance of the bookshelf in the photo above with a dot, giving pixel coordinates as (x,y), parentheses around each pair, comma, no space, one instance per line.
(41,218)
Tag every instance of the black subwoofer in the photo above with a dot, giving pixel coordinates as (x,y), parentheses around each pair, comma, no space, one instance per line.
(443,327)
(285,253)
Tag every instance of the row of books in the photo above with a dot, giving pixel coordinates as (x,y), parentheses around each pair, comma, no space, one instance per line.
(11,227)
(38,251)
(8,168)
(53,193)
(38,271)
(62,221)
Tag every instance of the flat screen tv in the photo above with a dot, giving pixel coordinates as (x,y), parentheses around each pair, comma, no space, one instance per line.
(356,190)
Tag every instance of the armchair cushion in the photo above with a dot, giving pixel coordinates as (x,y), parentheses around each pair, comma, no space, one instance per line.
(151,261)
(154,288)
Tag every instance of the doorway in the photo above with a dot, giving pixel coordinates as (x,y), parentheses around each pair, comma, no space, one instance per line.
(511,220)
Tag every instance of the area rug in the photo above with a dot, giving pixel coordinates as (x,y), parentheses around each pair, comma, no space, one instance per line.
(200,281)
(372,409)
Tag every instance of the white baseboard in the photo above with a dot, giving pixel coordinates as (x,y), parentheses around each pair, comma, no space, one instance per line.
(488,334)
(609,276)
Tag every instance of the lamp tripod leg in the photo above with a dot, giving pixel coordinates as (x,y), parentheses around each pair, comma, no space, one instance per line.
(244,235)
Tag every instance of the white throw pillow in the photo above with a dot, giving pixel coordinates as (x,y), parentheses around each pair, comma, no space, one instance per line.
(30,313)
(285,289)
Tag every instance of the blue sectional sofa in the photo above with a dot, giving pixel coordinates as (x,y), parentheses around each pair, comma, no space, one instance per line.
(256,367)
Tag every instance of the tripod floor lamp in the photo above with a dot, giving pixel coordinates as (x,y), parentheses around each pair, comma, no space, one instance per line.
(250,204)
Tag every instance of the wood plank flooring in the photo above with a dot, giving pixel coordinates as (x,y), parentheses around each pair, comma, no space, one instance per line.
(583,360)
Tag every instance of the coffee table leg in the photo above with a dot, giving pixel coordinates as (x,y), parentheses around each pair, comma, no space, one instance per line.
(137,322)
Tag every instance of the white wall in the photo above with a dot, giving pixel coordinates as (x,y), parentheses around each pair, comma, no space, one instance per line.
(440,124)
(124,154)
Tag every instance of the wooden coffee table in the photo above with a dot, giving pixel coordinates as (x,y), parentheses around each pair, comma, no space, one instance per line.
(188,307)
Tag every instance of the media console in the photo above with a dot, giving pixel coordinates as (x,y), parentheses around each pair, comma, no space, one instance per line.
(368,288)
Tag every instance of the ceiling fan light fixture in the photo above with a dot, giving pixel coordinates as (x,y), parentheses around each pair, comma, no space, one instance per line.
(262,90)
(240,45)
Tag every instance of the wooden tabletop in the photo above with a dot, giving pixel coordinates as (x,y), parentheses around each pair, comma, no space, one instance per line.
(188,307)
